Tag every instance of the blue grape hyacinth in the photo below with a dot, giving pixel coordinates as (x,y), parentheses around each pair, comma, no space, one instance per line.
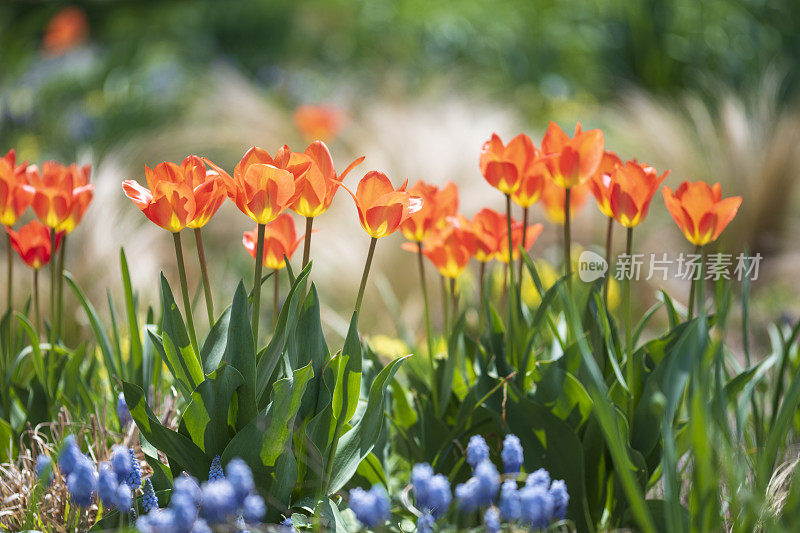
(107,485)
(254,509)
(82,482)
(219,501)
(44,466)
(70,455)
(536,505)
(558,491)
(477,451)
(509,504)
(149,499)
(488,482)
(134,477)
(215,471)
(241,477)
(123,414)
(425,523)
(491,520)
(432,491)
(123,497)
(120,463)
(540,478)
(512,455)
(370,507)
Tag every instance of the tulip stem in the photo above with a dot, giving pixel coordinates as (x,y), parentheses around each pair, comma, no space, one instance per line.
(628,333)
(698,250)
(275,309)
(567,243)
(36,312)
(51,333)
(445,307)
(60,284)
(428,335)
(307,241)
(201,254)
(364,276)
(521,260)
(10,294)
(453,303)
(187,303)
(606,281)
(511,285)
(257,282)
(481,295)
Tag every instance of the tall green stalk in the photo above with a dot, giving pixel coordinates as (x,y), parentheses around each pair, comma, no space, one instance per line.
(201,255)
(53,266)
(365,274)
(567,242)
(525,214)
(9,293)
(36,313)
(481,294)
(607,280)
(307,240)
(187,303)
(257,282)
(60,283)
(628,331)
(428,333)
(698,250)
(512,291)
(275,289)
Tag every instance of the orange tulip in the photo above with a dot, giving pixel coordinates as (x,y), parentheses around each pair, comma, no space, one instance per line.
(532,183)
(381,207)
(700,211)
(531,234)
(449,251)
(318,122)
(572,161)
(315,188)
(280,239)
(504,166)
(488,226)
(14,197)
(633,188)
(263,187)
(68,28)
(32,243)
(553,201)
(437,205)
(60,194)
(600,182)
(180,196)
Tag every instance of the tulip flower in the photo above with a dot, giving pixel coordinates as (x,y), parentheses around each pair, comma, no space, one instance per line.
(316,187)
(61,194)
(262,187)
(67,29)
(318,122)
(449,249)
(553,199)
(600,184)
(280,242)
(381,210)
(504,166)
(437,205)
(488,226)
(702,214)
(181,196)
(34,243)
(634,185)
(14,197)
(518,232)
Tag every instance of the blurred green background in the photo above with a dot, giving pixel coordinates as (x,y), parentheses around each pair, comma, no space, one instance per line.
(708,89)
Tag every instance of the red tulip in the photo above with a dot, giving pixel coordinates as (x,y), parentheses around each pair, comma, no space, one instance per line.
(700,211)
(381,207)
(32,243)
(280,239)
(553,201)
(437,205)
(318,122)
(572,161)
(316,187)
(61,194)
(633,187)
(531,234)
(600,182)
(14,196)
(504,166)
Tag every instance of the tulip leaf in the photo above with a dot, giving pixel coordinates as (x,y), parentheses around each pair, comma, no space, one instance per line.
(357,443)
(135,349)
(206,416)
(180,356)
(182,453)
(214,345)
(348,375)
(94,321)
(240,353)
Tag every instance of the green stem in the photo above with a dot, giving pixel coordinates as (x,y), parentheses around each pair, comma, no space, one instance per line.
(453,301)
(698,251)
(445,307)
(275,288)
(567,243)
(364,276)
(9,295)
(428,334)
(307,241)
(609,236)
(511,282)
(36,312)
(60,295)
(187,303)
(628,331)
(51,334)
(521,260)
(481,295)
(201,254)
(257,282)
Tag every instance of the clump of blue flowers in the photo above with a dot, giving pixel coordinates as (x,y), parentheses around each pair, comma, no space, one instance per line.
(123,414)
(371,507)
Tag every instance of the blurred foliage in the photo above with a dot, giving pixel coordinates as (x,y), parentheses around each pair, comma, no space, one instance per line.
(144,59)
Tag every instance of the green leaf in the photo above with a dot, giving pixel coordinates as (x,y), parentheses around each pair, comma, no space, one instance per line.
(348,375)
(357,443)
(240,353)
(135,349)
(213,348)
(100,335)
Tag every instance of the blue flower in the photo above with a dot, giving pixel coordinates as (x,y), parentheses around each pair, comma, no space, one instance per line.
(201,526)
(488,482)
(70,455)
(536,506)
(288,524)
(134,478)
(540,478)
(82,482)
(44,466)
(241,477)
(184,510)
(421,475)
(512,454)
(123,414)
(149,499)
(558,491)
(121,463)
(159,521)
(467,495)
(219,501)
(187,485)
(370,507)
(215,472)
(477,451)
(123,497)
(425,523)
(107,485)
(254,509)
(492,520)
(432,491)
(509,501)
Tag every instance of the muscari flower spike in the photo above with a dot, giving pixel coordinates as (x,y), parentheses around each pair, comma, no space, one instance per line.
(509,501)
(492,520)
(241,477)
(123,414)
(121,463)
(370,507)
(82,482)
(477,450)
(425,523)
(558,491)
(512,455)
(44,466)
(107,484)
(215,472)
(134,477)
(70,455)
(149,499)
(219,501)
(536,505)
(254,509)
(432,491)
